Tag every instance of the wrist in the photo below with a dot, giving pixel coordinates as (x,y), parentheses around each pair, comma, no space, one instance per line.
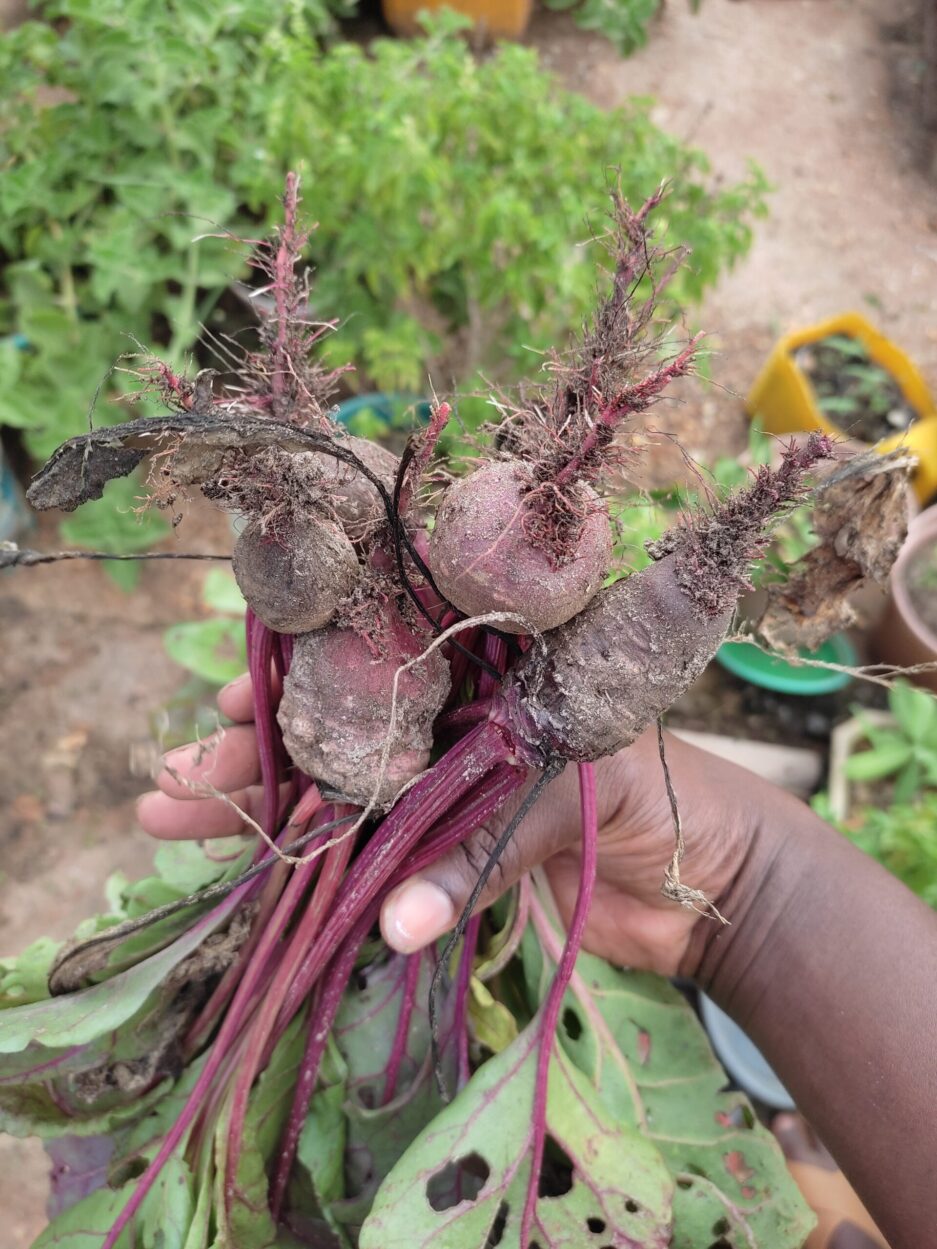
(765,861)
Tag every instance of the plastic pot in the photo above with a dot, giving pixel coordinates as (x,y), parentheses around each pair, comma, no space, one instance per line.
(770,672)
(505,19)
(783,397)
(742,1059)
(903,638)
(15,516)
(383,406)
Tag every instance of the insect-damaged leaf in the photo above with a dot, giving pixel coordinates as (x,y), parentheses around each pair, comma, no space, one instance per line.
(640,1044)
(378,1131)
(162,1223)
(467,1172)
(86,1061)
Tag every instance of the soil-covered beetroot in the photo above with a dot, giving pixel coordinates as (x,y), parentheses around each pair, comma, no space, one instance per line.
(607,674)
(336,707)
(293,578)
(353,499)
(483,559)
(604,677)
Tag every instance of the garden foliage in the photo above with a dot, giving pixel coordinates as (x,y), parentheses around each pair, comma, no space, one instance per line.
(455,197)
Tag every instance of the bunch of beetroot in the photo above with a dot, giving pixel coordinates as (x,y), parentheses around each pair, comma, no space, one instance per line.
(432,660)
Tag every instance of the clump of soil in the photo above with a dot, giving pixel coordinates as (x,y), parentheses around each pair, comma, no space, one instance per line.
(922,585)
(856,394)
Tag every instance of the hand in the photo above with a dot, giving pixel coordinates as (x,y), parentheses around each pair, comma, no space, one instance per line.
(630,923)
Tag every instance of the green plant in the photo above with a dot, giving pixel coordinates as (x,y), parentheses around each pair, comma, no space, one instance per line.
(128,128)
(852,390)
(212,650)
(900,836)
(624,22)
(905,753)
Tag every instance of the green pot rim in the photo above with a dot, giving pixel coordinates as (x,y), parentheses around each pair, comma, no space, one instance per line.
(770,672)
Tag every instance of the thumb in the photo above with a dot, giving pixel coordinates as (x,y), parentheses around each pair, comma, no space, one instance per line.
(424,907)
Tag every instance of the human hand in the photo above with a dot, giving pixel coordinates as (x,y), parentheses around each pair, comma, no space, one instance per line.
(630,922)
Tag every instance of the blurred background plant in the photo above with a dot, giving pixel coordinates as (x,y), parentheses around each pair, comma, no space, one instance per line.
(212,651)
(625,22)
(129,129)
(900,836)
(903,752)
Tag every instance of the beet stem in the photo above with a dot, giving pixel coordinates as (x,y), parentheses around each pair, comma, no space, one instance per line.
(258,1050)
(402,1031)
(550,772)
(328,1000)
(554,999)
(433,795)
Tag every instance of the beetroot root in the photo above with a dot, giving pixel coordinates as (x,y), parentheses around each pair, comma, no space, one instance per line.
(483,559)
(356,504)
(610,672)
(336,708)
(604,677)
(294,579)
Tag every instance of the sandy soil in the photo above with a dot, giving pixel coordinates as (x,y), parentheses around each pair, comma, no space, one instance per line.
(802,87)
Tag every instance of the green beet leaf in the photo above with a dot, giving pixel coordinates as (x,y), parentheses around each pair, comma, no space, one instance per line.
(162,1223)
(642,1048)
(467,1172)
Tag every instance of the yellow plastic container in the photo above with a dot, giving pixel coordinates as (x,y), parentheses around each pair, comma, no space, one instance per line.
(505,19)
(783,397)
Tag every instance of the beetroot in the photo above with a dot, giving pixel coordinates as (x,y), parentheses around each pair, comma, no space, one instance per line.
(483,559)
(294,580)
(336,708)
(612,670)
(355,503)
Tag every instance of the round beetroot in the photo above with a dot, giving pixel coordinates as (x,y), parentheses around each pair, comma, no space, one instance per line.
(355,502)
(295,578)
(336,707)
(483,559)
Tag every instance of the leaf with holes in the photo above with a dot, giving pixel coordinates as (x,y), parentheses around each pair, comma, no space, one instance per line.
(640,1044)
(463,1181)
(379,1131)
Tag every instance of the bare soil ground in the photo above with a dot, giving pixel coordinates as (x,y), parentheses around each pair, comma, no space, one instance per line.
(801,86)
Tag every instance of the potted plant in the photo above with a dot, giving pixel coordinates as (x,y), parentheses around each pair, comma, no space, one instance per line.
(907,635)
(846,377)
(505,19)
(898,752)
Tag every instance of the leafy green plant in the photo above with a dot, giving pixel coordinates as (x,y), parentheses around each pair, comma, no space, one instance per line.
(851,389)
(900,836)
(624,22)
(448,240)
(905,753)
(212,650)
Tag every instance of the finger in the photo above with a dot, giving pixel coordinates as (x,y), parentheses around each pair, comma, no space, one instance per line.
(175,819)
(236,700)
(426,906)
(227,760)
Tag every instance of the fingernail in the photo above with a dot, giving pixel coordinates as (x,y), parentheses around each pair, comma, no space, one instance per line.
(419,913)
(233,685)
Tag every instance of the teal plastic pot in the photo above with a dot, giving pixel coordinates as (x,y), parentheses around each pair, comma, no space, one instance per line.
(385,407)
(770,672)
